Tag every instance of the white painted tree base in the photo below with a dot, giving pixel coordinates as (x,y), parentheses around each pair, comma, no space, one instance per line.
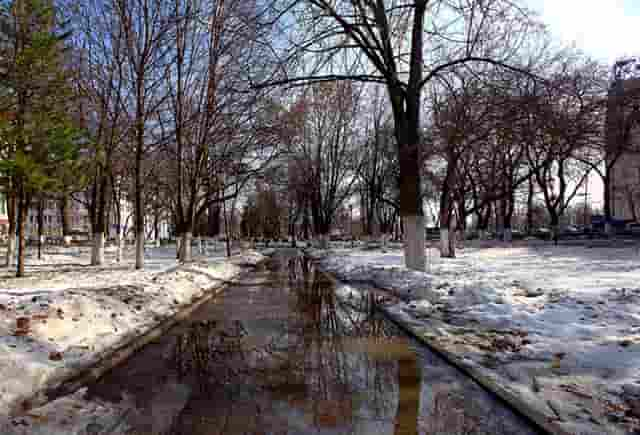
(185,248)
(447,246)
(97,250)
(414,243)
(120,248)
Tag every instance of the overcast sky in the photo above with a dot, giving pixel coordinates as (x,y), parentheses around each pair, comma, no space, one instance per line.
(603,29)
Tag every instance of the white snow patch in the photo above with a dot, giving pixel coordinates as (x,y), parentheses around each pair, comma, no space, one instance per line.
(76,314)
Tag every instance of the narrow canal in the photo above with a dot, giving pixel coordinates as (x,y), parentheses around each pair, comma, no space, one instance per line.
(280,353)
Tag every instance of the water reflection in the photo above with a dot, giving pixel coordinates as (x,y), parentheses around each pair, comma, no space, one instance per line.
(291,357)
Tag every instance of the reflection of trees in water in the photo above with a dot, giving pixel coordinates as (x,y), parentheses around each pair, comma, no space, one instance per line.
(208,354)
(332,351)
(329,360)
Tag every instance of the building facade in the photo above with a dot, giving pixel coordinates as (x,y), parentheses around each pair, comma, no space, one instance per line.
(623,146)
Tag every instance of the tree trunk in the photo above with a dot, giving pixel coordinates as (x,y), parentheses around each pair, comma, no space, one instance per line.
(120,244)
(99,222)
(213,219)
(530,208)
(12,215)
(139,250)
(120,234)
(411,208)
(65,216)
(40,225)
(406,105)
(414,242)
(186,255)
(156,228)
(139,212)
(608,206)
(97,256)
(447,239)
(555,227)
(227,230)
(23,211)
(408,412)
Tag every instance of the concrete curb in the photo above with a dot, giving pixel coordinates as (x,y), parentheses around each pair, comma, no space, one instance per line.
(539,419)
(68,383)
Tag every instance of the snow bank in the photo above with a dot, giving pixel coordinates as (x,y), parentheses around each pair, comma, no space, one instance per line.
(558,324)
(54,322)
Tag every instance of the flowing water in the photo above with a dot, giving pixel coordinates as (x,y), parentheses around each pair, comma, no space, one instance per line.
(280,353)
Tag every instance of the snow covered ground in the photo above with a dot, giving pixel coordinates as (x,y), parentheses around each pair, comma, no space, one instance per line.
(65,315)
(558,324)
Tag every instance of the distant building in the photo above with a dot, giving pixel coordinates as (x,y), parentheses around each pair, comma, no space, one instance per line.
(52,219)
(624,103)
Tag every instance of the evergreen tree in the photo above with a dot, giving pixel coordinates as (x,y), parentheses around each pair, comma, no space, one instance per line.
(37,130)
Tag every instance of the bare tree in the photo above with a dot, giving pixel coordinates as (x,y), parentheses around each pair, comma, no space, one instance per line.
(217,132)
(326,150)
(102,82)
(143,26)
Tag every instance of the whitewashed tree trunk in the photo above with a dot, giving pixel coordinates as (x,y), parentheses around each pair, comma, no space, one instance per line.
(185,248)
(120,245)
(67,241)
(414,243)
(140,250)
(11,250)
(444,242)
(97,250)
(461,237)
(447,244)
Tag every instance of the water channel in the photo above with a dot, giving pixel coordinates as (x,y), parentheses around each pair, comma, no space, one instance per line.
(280,353)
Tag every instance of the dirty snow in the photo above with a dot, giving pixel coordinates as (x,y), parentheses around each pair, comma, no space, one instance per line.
(568,316)
(66,315)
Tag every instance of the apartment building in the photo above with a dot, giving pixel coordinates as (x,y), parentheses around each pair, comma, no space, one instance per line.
(624,120)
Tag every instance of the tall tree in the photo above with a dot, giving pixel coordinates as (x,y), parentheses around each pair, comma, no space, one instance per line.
(143,26)
(218,132)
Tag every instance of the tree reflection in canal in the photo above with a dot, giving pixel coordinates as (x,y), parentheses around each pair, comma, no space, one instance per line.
(328,364)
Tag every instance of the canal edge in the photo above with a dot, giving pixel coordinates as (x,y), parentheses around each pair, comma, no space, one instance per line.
(537,418)
(71,382)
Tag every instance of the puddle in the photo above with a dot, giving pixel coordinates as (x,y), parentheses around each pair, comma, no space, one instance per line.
(281,354)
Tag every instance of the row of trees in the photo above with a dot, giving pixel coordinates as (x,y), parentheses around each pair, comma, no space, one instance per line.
(294,108)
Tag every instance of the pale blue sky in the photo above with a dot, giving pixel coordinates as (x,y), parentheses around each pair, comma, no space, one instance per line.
(603,29)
